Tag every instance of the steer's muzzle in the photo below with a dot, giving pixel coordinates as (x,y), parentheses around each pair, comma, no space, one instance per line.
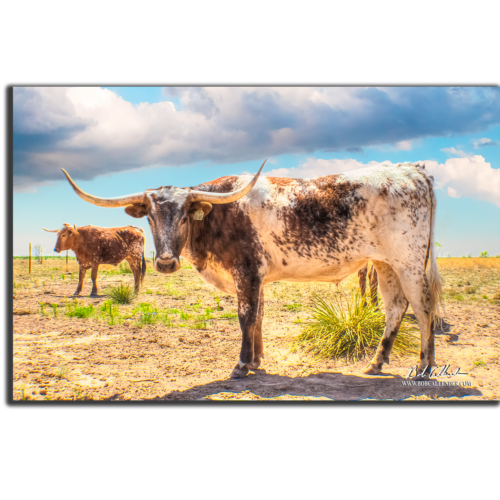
(167,266)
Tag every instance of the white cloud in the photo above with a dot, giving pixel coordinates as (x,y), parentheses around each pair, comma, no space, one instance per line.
(455,152)
(471,177)
(92,131)
(485,142)
(480,142)
(313,167)
(453,193)
(404,146)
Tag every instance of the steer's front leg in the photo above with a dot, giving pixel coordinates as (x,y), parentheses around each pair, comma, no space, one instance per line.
(249,313)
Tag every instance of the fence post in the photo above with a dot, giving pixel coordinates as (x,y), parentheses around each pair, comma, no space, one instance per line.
(67,268)
(30,258)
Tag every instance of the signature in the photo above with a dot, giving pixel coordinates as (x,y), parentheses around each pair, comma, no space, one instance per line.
(432,372)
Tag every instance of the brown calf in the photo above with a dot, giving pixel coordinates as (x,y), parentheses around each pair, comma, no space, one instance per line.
(103,245)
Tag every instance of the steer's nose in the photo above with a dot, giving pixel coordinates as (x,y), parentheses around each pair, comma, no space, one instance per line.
(167,266)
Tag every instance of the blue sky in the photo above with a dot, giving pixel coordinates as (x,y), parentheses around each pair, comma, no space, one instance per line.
(120,140)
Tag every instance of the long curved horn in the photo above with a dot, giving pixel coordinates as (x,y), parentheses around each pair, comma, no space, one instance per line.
(120,201)
(220,198)
(51,230)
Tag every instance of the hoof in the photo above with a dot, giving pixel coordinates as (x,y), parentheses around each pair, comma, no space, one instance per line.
(240,372)
(76,294)
(254,364)
(94,296)
(371,370)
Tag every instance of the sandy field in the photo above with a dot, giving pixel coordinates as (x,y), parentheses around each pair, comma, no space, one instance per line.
(180,339)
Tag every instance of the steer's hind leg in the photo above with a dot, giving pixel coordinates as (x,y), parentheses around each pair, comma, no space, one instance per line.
(416,289)
(248,289)
(395,308)
(95,270)
(373,285)
(135,266)
(362,279)
(258,346)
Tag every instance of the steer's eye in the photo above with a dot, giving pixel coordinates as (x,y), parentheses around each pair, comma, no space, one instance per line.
(184,220)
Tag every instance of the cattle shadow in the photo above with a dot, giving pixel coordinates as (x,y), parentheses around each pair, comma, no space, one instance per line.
(333,385)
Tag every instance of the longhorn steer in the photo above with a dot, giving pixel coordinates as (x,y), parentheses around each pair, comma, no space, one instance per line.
(322,229)
(103,245)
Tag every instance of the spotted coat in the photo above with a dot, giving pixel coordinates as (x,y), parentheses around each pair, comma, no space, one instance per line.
(302,230)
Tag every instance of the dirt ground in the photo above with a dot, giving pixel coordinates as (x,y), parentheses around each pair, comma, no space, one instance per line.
(184,341)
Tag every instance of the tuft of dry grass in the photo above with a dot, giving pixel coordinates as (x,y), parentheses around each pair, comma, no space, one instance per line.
(122,294)
(349,328)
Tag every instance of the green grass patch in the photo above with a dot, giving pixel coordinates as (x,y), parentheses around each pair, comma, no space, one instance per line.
(185,316)
(123,268)
(230,316)
(347,327)
(111,313)
(170,290)
(73,310)
(293,307)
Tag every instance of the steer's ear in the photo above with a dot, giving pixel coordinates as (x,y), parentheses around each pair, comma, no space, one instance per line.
(137,210)
(199,206)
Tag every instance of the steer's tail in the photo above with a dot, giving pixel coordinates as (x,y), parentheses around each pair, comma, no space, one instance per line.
(433,276)
(143,272)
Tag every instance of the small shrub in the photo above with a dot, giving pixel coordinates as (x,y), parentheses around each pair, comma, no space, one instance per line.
(479,362)
(484,254)
(485,297)
(62,372)
(349,327)
(54,308)
(293,307)
(122,294)
(62,276)
(149,292)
